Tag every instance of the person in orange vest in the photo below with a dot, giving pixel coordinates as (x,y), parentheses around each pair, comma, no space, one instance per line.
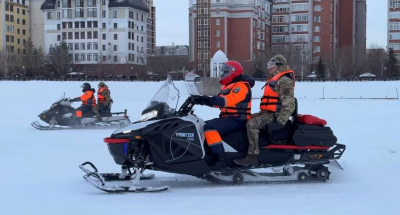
(87,98)
(103,100)
(277,105)
(234,101)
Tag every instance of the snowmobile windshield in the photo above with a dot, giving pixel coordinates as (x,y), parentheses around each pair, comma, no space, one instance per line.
(60,99)
(167,94)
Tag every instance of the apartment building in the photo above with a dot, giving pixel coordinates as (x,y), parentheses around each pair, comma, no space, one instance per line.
(178,50)
(15,25)
(393,39)
(241,29)
(110,31)
(151,28)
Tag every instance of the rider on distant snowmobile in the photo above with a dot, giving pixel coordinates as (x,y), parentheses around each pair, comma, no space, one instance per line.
(234,100)
(277,105)
(87,98)
(103,100)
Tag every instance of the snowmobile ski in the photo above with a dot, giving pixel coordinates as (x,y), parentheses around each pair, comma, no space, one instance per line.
(98,125)
(119,189)
(115,176)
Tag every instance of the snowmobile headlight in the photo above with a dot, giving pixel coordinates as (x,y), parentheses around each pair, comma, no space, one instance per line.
(149,115)
(53,106)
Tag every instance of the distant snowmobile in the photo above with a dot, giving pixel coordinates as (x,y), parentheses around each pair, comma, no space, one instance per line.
(170,140)
(61,115)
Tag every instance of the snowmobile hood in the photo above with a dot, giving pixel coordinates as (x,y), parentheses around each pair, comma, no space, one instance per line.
(246,78)
(134,126)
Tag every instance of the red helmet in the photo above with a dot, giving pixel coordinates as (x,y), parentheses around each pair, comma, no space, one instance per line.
(229,71)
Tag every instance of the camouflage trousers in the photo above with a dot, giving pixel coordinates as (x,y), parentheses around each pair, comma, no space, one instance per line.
(257,121)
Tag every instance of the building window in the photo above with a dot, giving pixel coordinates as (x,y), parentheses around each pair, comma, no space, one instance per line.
(95,35)
(67,13)
(115,14)
(82,35)
(89,24)
(82,24)
(115,36)
(317,39)
(96,57)
(76,35)
(58,38)
(17,20)
(83,56)
(92,12)
(218,10)
(103,14)
(76,57)
(299,18)
(115,48)
(217,21)
(115,25)
(89,57)
(49,15)
(83,46)
(115,59)
(89,35)
(103,25)
(95,46)
(76,46)
(69,25)
(299,28)
(78,3)
(64,36)
(142,40)
(91,3)
(218,44)
(58,15)
(70,35)
(217,33)
(79,12)
(104,47)
(280,19)
(104,36)
(70,46)
(23,32)
(317,8)
(23,12)
(317,19)
(317,28)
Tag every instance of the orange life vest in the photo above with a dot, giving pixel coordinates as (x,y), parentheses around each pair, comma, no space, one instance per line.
(88,98)
(100,97)
(242,108)
(270,100)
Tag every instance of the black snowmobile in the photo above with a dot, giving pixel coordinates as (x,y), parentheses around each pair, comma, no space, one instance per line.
(171,140)
(61,115)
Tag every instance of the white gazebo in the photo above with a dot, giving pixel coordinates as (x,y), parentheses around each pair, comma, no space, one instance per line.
(215,63)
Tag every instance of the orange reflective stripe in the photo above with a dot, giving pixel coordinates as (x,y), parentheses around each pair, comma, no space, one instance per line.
(212,137)
(78,113)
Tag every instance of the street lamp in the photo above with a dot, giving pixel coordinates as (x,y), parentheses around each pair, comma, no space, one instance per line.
(23,68)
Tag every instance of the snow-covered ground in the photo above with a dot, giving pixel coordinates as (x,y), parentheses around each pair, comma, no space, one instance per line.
(39,171)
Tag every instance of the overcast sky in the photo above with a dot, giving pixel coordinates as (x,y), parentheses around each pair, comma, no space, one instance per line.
(172,22)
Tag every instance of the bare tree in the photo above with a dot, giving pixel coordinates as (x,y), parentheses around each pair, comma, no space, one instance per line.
(104,65)
(59,59)
(162,65)
(376,59)
(8,63)
(341,66)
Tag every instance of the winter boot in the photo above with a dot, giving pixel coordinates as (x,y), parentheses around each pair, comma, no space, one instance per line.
(221,163)
(249,160)
(99,119)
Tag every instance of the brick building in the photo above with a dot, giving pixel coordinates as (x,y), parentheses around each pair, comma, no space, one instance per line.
(241,29)
(394,26)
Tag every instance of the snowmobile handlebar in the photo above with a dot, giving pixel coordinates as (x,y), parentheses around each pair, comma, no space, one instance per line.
(188,105)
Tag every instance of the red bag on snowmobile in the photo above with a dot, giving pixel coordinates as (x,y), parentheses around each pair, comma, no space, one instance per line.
(310,120)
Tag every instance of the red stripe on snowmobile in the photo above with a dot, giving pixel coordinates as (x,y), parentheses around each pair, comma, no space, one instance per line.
(115,141)
(295,147)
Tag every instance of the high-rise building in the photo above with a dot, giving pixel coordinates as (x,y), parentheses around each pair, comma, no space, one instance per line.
(37,23)
(304,31)
(151,28)
(177,50)
(15,25)
(393,39)
(112,31)
(352,30)
(241,29)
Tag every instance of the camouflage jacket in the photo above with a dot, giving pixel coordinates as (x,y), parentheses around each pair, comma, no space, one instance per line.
(284,88)
(107,96)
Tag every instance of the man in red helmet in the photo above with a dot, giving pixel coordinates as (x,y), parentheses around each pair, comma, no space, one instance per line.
(234,100)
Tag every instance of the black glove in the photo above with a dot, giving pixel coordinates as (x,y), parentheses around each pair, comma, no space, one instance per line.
(75,99)
(201,100)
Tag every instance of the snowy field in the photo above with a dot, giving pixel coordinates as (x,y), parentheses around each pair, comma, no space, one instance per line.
(40,174)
